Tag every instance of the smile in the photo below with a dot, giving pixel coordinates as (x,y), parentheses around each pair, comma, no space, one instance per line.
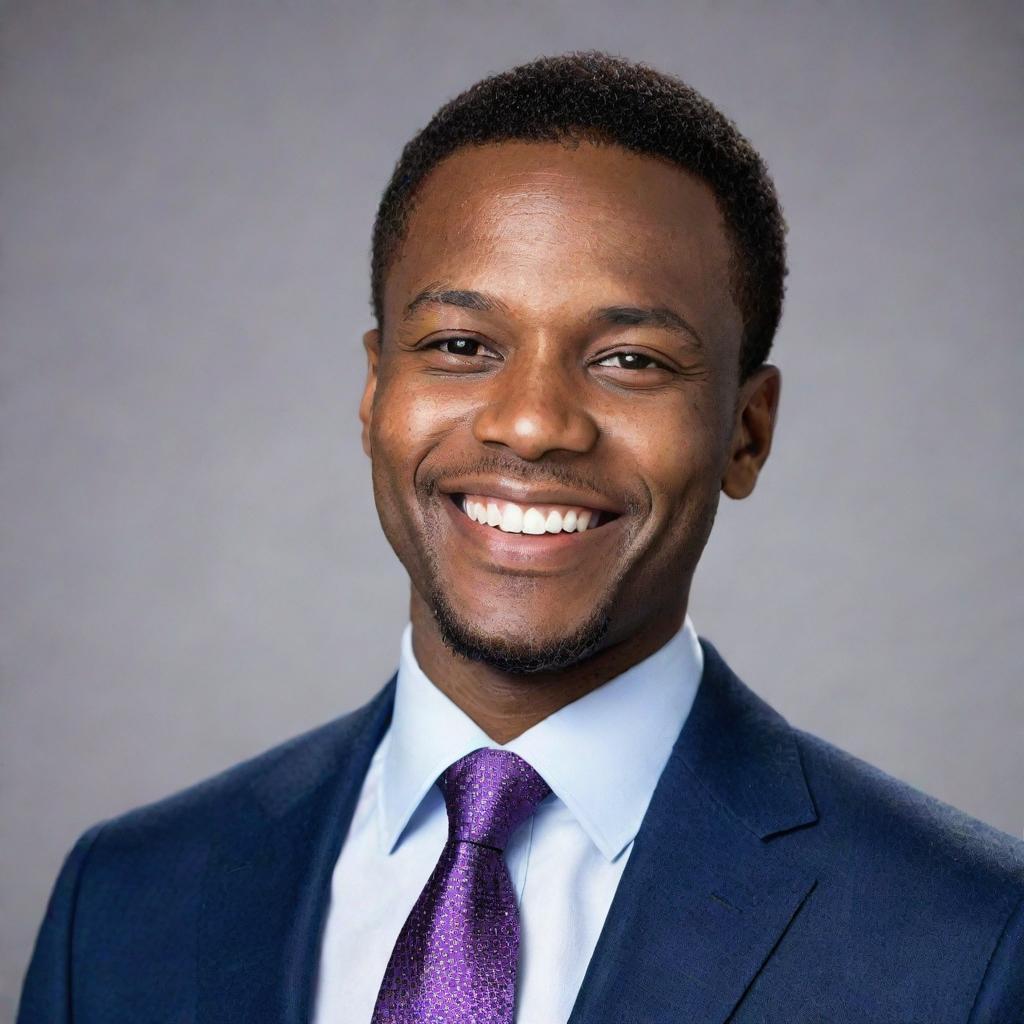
(510,517)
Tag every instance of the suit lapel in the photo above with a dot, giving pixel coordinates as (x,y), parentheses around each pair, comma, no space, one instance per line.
(267,883)
(705,897)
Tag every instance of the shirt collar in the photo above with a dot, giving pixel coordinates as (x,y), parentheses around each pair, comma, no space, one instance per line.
(602,755)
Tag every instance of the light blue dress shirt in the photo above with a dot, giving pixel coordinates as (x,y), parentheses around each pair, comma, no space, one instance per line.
(601,755)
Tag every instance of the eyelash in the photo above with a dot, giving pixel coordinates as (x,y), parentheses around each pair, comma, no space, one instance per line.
(656,364)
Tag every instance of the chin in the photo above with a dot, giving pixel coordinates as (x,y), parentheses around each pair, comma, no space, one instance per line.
(514,655)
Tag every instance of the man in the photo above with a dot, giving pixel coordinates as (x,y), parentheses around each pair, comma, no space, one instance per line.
(565,806)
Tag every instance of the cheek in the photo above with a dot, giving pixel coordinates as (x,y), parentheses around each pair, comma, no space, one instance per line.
(685,485)
(413,421)
(676,451)
(685,482)
(406,420)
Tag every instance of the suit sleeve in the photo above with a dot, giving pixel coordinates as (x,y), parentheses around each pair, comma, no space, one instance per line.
(1001,996)
(46,994)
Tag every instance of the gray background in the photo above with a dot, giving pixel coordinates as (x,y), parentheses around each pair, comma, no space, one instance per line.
(191,564)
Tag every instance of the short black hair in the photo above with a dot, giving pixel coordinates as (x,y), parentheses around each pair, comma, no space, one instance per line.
(605,99)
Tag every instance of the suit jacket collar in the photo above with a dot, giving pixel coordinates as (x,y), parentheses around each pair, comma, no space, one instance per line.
(705,896)
(703,900)
(744,753)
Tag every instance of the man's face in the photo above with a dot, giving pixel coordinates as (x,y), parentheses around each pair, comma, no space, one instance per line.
(559,335)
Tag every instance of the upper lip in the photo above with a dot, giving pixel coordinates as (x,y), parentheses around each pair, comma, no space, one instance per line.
(524,494)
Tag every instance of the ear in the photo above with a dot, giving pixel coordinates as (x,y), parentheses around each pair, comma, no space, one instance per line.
(371,342)
(756,408)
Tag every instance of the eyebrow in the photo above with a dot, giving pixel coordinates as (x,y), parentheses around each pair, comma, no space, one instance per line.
(460,297)
(657,316)
(618,316)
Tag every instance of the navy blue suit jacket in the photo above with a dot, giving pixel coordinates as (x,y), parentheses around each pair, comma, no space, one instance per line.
(774,879)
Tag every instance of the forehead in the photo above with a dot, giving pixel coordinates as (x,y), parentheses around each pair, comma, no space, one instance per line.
(551,223)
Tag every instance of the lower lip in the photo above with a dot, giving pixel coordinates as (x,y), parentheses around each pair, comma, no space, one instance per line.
(541,553)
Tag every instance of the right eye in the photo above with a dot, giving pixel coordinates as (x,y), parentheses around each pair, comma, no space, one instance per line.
(462,346)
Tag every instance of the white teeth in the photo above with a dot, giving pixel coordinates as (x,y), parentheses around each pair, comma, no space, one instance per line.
(512,519)
(533,521)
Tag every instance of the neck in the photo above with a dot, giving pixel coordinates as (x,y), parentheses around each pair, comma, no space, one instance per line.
(505,705)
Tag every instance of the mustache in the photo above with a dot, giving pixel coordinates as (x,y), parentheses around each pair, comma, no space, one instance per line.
(546,474)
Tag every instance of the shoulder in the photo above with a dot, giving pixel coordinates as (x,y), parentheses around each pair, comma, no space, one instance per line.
(264,785)
(856,819)
(914,892)
(913,885)
(905,885)
(880,819)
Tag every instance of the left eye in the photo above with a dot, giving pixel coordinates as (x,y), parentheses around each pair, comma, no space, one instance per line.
(631,361)
(461,346)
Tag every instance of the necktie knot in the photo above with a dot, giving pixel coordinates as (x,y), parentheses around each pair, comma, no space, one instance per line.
(489,794)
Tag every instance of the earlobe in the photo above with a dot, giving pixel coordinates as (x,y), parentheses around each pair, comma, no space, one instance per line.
(371,342)
(756,411)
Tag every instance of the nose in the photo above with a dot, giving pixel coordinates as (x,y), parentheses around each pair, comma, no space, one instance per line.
(537,405)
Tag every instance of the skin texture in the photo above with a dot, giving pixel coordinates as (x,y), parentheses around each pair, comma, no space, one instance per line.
(510,372)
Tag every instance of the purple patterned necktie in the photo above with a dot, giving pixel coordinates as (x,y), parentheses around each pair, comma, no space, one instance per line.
(455,958)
